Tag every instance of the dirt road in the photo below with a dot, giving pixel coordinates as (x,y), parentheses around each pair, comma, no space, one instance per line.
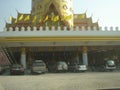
(62,81)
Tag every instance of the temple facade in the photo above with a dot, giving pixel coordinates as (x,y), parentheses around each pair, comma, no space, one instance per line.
(51,13)
(52,32)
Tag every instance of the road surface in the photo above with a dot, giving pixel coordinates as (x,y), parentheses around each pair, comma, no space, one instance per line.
(62,81)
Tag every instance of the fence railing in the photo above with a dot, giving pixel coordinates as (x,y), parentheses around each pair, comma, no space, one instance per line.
(60,31)
(52,28)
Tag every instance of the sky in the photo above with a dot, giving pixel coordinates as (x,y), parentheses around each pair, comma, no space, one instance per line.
(106,12)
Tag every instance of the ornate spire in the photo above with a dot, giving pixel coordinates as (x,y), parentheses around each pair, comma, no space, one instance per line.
(64,9)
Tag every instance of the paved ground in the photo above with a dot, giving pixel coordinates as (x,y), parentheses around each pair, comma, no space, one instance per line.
(62,81)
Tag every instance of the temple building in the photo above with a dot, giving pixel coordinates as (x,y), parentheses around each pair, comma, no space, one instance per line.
(55,13)
(52,32)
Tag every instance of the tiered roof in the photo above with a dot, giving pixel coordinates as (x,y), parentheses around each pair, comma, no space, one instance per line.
(53,15)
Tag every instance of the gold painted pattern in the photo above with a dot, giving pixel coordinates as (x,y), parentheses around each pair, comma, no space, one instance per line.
(57,39)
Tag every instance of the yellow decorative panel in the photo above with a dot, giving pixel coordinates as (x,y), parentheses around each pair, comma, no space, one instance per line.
(63,7)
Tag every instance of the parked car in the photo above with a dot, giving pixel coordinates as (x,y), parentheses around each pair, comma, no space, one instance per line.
(74,67)
(38,67)
(16,69)
(1,69)
(110,65)
(98,68)
(51,67)
(61,66)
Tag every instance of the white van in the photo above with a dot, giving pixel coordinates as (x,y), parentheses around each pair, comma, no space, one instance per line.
(61,66)
(110,65)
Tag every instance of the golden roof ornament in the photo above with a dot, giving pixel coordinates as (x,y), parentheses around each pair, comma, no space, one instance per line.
(64,9)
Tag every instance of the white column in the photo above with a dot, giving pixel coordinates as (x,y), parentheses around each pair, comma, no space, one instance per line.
(23,57)
(77,58)
(85,56)
(30,58)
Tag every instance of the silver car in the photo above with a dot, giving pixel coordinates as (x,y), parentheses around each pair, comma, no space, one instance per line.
(38,67)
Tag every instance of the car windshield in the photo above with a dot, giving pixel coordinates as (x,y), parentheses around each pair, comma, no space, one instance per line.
(73,64)
(111,62)
(62,63)
(16,65)
(38,64)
